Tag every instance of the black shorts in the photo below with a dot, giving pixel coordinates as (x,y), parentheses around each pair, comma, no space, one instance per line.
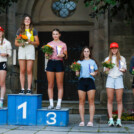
(133,83)
(3,66)
(55,66)
(86,84)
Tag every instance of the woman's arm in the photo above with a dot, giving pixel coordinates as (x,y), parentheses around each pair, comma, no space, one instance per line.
(94,73)
(9,50)
(17,44)
(65,54)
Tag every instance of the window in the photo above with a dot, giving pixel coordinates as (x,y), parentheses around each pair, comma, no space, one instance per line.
(64,8)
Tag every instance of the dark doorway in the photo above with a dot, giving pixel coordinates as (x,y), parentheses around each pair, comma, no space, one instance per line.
(75,42)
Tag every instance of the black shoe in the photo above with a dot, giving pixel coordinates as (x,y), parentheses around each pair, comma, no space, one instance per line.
(28,92)
(22,91)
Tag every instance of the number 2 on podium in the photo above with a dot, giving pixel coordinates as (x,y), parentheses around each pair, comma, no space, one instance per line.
(24,107)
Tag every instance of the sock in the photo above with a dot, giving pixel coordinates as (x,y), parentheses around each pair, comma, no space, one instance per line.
(28,89)
(118,119)
(59,102)
(51,102)
(1,99)
(22,89)
(110,118)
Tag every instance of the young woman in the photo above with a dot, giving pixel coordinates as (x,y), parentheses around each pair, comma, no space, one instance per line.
(55,68)
(115,82)
(86,84)
(132,69)
(5,52)
(26,53)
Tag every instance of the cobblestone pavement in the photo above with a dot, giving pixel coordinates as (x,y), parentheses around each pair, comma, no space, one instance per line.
(72,128)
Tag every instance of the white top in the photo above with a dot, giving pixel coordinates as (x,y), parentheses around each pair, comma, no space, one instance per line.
(115,71)
(5,48)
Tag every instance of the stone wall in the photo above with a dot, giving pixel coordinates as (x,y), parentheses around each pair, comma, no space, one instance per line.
(123,33)
(100,36)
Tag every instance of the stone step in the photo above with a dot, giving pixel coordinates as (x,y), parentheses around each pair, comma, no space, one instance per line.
(74,107)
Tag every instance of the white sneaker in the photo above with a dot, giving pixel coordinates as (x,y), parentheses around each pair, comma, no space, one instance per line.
(50,107)
(58,107)
(118,123)
(111,123)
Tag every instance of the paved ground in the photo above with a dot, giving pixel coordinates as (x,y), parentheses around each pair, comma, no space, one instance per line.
(72,128)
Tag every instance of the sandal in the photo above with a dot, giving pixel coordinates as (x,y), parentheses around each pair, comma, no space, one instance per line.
(90,124)
(81,124)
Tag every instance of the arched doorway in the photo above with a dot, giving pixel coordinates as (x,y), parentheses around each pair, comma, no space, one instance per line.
(75,33)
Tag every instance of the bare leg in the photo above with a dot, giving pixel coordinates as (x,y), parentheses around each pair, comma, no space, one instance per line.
(82,97)
(59,79)
(22,64)
(29,72)
(110,97)
(50,78)
(91,96)
(2,83)
(119,93)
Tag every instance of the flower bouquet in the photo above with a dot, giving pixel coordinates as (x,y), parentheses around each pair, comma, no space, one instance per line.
(75,66)
(132,70)
(22,39)
(48,50)
(108,64)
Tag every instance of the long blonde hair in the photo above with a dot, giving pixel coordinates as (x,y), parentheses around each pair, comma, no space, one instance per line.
(118,57)
(2,39)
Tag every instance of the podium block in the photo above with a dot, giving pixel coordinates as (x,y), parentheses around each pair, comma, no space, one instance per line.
(22,109)
(53,117)
(3,116)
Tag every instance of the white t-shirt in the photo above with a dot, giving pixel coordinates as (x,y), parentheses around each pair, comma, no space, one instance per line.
(5,48)
(115,72)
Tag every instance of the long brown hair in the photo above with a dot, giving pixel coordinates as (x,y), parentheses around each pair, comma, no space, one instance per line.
(118,57)
(22,28)
(3,36)
(82,53)
(57,30)
(90,56)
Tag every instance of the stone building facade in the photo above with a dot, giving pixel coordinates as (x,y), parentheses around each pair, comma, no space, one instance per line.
(100,33)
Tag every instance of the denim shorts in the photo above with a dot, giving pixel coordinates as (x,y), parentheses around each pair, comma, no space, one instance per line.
(115,83)
(55,66)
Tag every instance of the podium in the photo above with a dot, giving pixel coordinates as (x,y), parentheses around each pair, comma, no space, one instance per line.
(22,109)
(27,110)
(3,116)
(53,117)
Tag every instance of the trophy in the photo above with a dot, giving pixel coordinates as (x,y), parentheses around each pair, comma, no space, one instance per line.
(58,49)
(121,66)
(91,69)
(28,36)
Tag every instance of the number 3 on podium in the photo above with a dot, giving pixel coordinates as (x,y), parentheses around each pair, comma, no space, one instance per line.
(51,118)
(24,107)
